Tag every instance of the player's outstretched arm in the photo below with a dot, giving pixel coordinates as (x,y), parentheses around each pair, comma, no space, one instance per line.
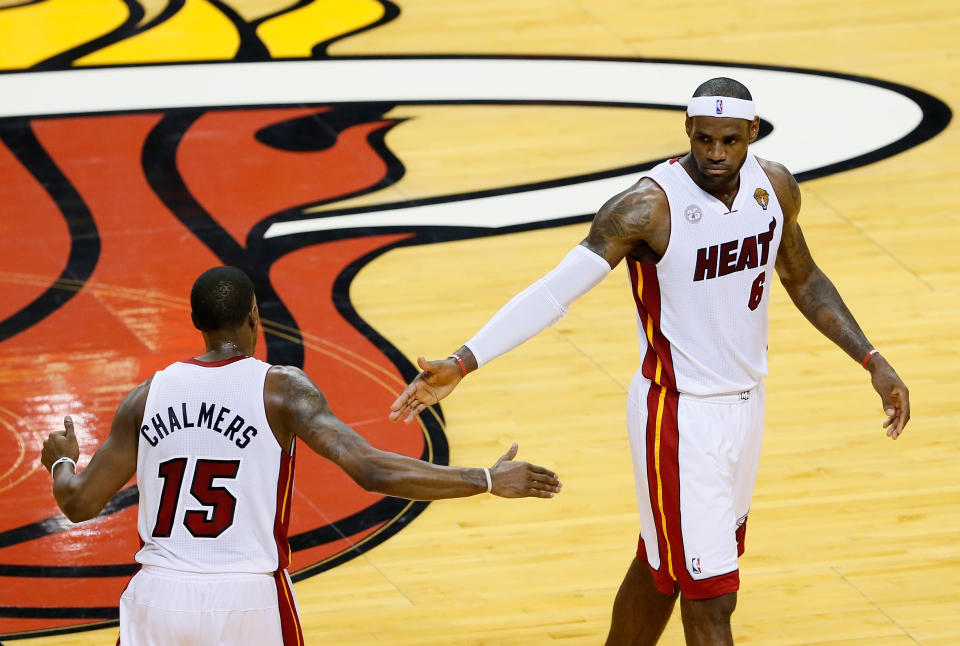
(295,405)
(818,299)
(638,215)
(84,494)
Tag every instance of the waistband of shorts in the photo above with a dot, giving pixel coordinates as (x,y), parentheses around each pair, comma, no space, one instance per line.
(720,398)
(725,398)
(157,570)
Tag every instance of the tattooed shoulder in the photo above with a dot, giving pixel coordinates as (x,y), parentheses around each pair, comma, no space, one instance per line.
(631,214)
(785,185)
(293,389)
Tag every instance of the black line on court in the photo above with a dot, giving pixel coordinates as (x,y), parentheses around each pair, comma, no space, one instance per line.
(55,524)
(251,47)
(18,136)
(25,3)
(160,168)
(300,4)
(126,29)
(390,12)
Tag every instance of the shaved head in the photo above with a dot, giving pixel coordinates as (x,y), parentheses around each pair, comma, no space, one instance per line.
(723,86)
(221,299)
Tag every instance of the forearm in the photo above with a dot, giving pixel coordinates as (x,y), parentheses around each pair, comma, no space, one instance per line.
(68,494)
(817,298)
(405,477)
(539,306)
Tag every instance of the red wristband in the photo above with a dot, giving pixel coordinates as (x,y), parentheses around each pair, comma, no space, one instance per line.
(463,366)
(866,359)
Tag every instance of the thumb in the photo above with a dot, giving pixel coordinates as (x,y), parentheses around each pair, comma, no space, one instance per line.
(68,428)
(510,454)
(424,364)
(888,405)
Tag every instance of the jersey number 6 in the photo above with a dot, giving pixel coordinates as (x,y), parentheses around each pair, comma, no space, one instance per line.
(200,523)
(756,291)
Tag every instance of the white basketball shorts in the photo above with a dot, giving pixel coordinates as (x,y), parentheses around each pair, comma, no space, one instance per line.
(162,607)
(695,462)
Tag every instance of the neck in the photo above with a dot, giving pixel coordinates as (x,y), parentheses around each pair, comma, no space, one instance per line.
(726,192)
(218,349)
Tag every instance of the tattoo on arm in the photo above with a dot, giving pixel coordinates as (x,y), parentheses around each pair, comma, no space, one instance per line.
(815,295)
(622,222)
(628,218)
(821,303)
(317,424)
(794,191)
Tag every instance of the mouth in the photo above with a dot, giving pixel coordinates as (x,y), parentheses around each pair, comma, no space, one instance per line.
(714,170)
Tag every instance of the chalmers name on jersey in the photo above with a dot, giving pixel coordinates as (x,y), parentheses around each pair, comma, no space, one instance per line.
(214,483)
(702,309)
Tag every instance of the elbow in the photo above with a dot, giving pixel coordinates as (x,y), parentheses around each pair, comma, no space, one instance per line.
(77,513)
(372,479)
(77,509)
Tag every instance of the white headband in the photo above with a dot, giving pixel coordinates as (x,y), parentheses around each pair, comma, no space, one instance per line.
(721,106)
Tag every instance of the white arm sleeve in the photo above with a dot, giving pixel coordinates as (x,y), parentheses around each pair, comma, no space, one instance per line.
(539,306)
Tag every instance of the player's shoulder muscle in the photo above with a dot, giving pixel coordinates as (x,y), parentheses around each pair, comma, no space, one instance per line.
(289,397)
(133,405)
(633,211)
(639,214)
(785,185)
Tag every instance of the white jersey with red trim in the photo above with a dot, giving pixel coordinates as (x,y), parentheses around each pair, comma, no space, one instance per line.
(702,309)
(214,484)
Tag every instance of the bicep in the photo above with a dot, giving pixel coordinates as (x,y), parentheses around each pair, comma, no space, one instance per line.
(115,462)
(625,221)
(794,263)
(306,413)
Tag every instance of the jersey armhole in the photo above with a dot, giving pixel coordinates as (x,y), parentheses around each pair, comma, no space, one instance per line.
(263,396)
(666,195)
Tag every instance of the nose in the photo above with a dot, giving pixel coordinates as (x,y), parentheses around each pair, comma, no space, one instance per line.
(716,152)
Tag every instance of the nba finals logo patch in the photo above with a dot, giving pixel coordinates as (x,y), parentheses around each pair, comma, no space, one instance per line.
(693,214)
(762,198)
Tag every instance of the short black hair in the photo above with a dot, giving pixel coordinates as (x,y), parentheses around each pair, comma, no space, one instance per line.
(221,299)
(723,86)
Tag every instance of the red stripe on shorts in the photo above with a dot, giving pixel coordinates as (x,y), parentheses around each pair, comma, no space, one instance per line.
(289,619)
(664,487)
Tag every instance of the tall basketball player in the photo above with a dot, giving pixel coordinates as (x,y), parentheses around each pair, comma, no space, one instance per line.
(221,429)
(701,236)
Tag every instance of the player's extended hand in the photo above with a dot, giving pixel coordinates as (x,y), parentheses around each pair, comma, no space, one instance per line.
(435,381)
(522,479)
(60,444)
(894,394)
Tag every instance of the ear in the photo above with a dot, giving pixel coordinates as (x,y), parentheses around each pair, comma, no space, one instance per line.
(193,317)
(754,129)
(253,318)
(688,125)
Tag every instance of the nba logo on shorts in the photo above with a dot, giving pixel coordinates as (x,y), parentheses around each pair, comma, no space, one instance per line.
(695,565)
(719,106)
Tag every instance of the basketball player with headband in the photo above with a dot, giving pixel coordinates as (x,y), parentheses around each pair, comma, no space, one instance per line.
(701,237)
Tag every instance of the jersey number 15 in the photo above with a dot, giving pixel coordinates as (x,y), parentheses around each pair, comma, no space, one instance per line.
(205,523)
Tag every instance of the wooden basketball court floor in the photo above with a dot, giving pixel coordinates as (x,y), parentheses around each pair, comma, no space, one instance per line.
(114,196)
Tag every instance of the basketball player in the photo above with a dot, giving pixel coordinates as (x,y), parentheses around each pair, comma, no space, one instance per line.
(701,236)
(212,441)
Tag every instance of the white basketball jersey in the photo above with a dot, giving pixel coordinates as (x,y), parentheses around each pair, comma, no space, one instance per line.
(214,484)
(702,309)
